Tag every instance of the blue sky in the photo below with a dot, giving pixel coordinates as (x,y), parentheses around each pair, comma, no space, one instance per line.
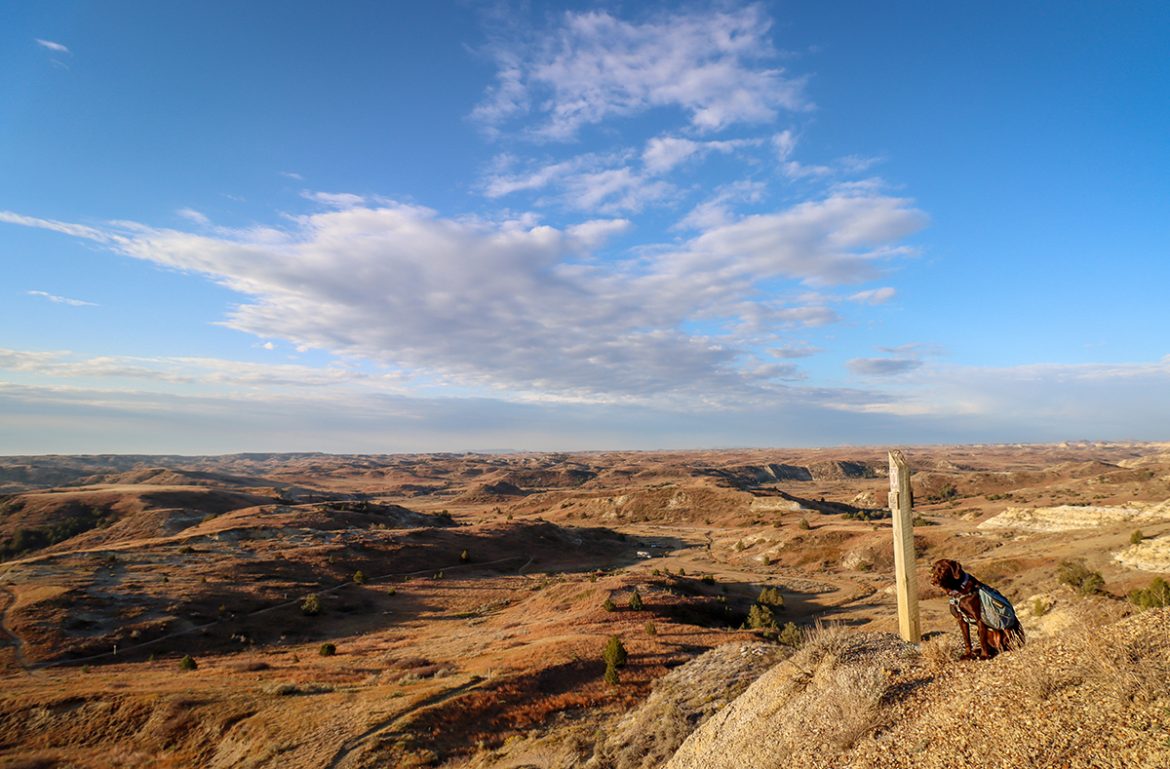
(449,226)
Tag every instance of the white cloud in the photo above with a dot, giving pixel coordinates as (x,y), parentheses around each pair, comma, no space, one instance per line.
(717,67)
(55,47)
(61,299)
(716,211)
(190,214)
(292,175)
(512,306)
(874,295)
(663,153)
(595,232)
(785,144)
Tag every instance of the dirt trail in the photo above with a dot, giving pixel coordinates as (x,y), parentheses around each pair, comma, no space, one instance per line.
(17,643)
(389,725)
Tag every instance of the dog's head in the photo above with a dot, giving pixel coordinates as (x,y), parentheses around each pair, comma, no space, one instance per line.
(946,574)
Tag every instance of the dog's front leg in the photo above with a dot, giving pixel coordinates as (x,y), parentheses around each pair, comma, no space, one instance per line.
(986,650)
(970,655)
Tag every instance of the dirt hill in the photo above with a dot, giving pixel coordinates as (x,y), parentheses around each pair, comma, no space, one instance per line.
(1091,697)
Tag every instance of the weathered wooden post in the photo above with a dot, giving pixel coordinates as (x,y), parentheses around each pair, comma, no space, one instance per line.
(905,582)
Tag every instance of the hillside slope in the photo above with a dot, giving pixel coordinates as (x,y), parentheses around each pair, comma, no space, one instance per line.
(1096,696)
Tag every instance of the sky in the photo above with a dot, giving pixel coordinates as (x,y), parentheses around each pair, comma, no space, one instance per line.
(472,226)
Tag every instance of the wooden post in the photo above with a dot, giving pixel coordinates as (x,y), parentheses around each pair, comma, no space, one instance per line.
(905,581)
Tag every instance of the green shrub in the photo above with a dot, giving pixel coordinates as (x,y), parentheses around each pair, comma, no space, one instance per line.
(188,663)
(1136,538)
(311,605)
(804,524)
(651,628)
(1040,607)
(1080,578)
(611,675)
(608,605)
(359,577)
(1155,596)
(790,635)
(392,591)
(636,601)
(327,650)
(615,652)
(707,579)
(770,596)
(761,617)
(465,556)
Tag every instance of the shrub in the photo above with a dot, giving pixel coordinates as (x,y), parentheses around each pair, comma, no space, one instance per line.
(636,601)
(1080,578)
(1155,596)
(651,628)
(761,617)
(707,579)
(392,591)
(790,635)
(615,652)
(359,577)
(311,605)
(1040,607)
(770,596)
(1136,537)
(465,556)
(188,663)
(327,650)
(804,524)
(611,675)
(608,605)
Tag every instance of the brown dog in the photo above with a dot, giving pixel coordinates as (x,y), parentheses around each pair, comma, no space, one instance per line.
(974,603)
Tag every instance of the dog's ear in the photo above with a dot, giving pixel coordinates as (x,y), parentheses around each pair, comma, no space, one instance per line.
(945,570)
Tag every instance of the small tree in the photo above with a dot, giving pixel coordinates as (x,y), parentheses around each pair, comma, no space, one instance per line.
(1136,537)
(359,577)
(790,635)
(327,650)
(311,605)
(465,556)
(611,675)
(651,628)
(608,605)
(761,617)
(636,601)
(1155,596)
(615,652)
(188,663)
(770,596)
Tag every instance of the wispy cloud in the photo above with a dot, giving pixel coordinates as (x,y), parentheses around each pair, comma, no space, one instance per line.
(292,175)
(191,215)
(883,366)
(874,295)
(61,299)
(718,67)
(185,370)
(511,305)
(53,46)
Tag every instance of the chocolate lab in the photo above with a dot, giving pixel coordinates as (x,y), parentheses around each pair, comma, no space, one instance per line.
(975,604)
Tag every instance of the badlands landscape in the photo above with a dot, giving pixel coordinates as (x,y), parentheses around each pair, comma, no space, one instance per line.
(454,610)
